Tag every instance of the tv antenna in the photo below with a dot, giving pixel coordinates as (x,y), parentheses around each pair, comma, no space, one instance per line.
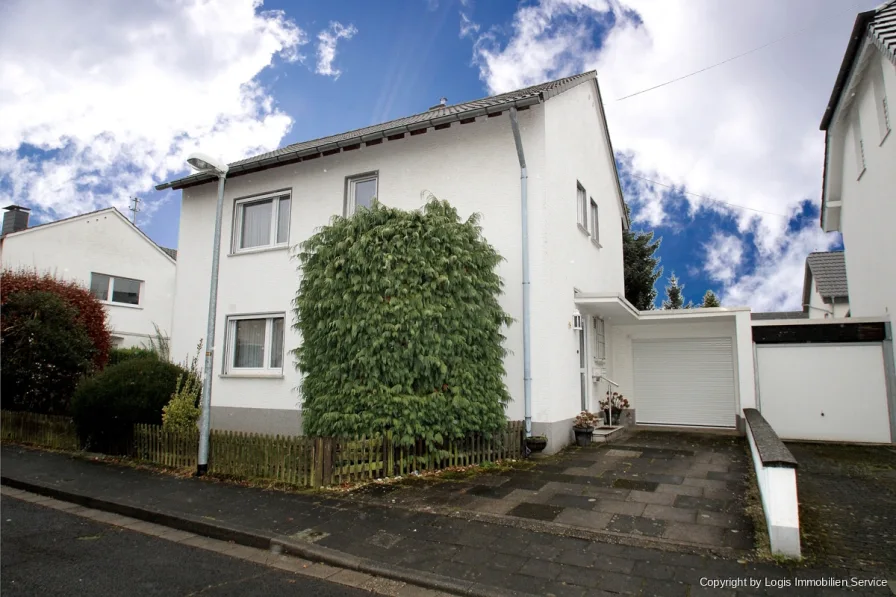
(135,208)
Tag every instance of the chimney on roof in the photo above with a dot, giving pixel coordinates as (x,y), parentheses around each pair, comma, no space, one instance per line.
(15,219)
(442,103)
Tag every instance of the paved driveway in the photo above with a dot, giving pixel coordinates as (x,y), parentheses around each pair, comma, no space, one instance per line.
(653,487)
(848,504)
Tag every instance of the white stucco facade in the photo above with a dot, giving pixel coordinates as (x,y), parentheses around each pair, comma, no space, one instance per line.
(860,182)
(475,167)
(102,242)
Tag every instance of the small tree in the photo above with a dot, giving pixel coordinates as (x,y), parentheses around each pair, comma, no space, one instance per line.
(182,411)
(674,295)
(710,299)
(88,309)
(641,267)
(401,327)
(45,351)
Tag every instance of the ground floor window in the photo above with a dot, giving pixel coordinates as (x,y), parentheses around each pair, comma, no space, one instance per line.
(255,343)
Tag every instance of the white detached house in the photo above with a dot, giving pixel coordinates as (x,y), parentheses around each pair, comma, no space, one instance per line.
(543,152)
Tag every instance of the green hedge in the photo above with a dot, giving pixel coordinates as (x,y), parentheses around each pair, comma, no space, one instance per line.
(120,355)
(401,327)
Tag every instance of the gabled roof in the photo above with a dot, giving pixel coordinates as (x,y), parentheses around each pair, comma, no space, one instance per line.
(828,269)
(441,115)
(168,253)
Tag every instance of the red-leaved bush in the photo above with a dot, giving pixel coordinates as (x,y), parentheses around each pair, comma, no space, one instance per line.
(91,312)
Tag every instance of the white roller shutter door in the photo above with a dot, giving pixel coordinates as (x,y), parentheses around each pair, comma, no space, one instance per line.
(684,381)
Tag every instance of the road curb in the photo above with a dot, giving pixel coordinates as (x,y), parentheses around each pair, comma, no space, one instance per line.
(251,538)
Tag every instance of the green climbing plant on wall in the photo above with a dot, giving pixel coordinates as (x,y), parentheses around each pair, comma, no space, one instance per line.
(401,326)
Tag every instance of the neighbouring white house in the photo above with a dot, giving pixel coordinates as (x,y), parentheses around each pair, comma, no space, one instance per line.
(825,289)
(859,187)
(103,251)
(543,152)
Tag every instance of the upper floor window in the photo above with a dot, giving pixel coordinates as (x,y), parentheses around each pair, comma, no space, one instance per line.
(255,343)
(582,206)
(261,222)
(360,191)
(115,289)
(595,228)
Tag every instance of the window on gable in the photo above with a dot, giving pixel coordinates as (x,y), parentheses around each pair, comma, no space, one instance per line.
(859,144)
(360,192)
(261,222)
(880,101)
(582,206)
(255,343)
(595,228)
(115,289)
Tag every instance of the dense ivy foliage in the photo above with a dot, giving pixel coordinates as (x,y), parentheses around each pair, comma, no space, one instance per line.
(44,351)
(401,326)
(89,310)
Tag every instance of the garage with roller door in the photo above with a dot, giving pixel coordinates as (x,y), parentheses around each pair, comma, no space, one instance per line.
(685,381)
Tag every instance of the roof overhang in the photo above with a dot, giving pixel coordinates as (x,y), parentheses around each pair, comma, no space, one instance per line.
(617,311)
(315,151)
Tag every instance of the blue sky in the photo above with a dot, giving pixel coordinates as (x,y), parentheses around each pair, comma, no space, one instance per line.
(102,113)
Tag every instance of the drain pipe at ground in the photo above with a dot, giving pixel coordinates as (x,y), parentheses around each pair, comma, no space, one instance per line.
(524,206)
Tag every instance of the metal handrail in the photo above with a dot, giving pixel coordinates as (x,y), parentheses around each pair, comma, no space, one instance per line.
(610,399)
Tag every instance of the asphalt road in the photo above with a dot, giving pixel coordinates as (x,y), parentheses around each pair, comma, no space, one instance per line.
(48,552)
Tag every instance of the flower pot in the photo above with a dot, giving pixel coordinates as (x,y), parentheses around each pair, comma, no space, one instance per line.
(583,435)
(616,415)
(536,444)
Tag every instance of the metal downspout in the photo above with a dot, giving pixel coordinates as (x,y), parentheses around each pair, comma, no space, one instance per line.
(524,207)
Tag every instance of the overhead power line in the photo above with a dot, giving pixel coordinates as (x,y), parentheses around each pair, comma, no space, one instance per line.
(762,211)
(727,60)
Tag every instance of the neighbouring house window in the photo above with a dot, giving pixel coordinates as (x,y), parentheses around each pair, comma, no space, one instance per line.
(859,143)
(600,339)
(255,343)
(115,289)
(582,206)
(595,229)
(262,222)
(361,191)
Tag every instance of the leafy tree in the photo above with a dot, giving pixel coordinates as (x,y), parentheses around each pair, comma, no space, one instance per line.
(44,350)
(401,327)
(674,295)
(641,267)
(710,299)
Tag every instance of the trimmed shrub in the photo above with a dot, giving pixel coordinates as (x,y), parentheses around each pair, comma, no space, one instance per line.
(44,350)
(120,355)
(106,406)
(401,327)
(90,311)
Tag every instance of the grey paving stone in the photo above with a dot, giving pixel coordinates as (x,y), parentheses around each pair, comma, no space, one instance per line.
(649,569)
(700,503)
(588,519)
(738,539)
(670,513)
(637,525)
(519,495)
(577,557)
(649,497)
(720,519)
(487,491)
(532,483)
(535,511)
(491,506)
(680,489)
(506,562)
(572,501)
(705,483)
(473,555)
(720,476)
(635,484)
(694,533)
(555,588)
(542,569)
(664,478)
(614,564)
(664,588)
(620,507)
(616,582)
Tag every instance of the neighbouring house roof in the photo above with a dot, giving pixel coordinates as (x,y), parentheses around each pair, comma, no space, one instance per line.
(828,270)
(169,253)
(879,26)
(779,315)
(437,116)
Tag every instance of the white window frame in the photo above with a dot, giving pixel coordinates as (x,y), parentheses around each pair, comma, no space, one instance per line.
(880,102)
(109,289)
(600,339)
(595,221)
(581,207)
(239,206)
(265,371)
(351,183)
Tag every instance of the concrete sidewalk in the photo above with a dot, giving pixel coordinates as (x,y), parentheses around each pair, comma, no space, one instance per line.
(450,554)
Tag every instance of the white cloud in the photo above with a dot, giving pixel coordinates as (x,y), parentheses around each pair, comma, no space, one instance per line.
(468,28)
(99,103)
(745,132)
(724,254)
(326,47)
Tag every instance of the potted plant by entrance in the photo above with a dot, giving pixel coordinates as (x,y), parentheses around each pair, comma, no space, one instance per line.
(583,427)
(536,443)
(618,402)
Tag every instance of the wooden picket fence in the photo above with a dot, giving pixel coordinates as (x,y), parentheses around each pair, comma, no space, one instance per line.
(295,460)
(50,431)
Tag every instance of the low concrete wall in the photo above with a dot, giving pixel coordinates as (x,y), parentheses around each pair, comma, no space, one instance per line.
(267,421)
(775,470)
(559,434)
